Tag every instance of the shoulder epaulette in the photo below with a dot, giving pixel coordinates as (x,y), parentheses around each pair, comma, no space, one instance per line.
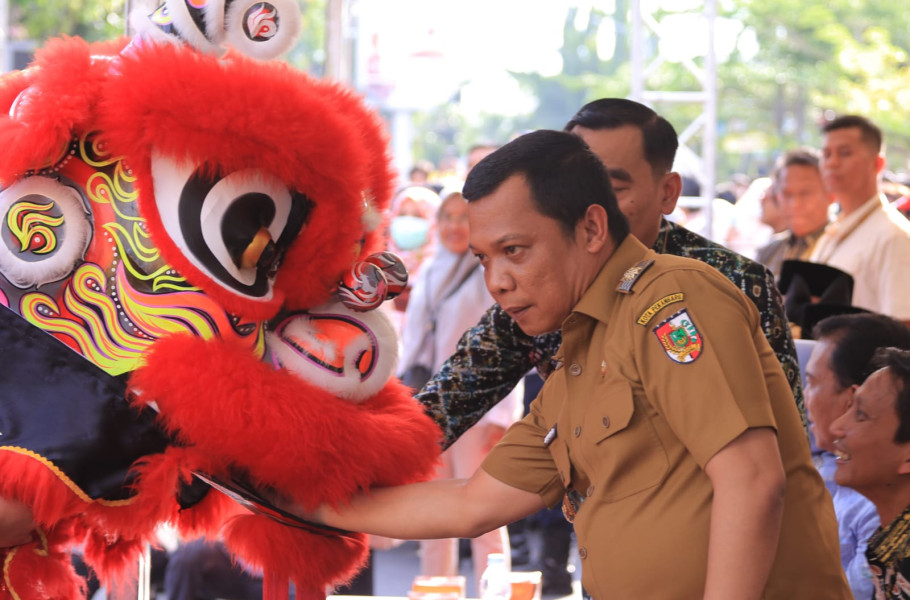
(631,276)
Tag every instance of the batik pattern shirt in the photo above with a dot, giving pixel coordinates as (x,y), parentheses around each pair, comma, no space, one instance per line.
(495,354)
(888,554)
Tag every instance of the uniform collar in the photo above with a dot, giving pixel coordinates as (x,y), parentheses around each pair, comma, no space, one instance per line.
(598,299)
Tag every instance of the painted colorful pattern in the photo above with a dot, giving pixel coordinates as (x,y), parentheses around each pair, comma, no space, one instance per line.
(120,296)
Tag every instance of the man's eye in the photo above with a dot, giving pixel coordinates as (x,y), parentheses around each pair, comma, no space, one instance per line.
(510,249)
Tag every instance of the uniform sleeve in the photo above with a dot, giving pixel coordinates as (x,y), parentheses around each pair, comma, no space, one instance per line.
(523,460)
(489,360)
(702,359)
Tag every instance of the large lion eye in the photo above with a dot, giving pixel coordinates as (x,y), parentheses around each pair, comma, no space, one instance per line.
(46,230)
(235,227)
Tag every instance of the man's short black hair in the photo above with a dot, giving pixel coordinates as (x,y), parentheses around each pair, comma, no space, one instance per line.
(562,173)
(856,337)
(800,157)
(659,138)
(897,361)
(869,132)
(803,157)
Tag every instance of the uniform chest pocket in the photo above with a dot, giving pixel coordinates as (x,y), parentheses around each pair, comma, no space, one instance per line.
(626,456)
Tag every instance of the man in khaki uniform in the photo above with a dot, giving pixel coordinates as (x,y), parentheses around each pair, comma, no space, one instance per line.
(663,365)
(670,422)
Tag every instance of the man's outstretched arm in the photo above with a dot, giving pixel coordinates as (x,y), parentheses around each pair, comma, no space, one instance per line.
(443,508)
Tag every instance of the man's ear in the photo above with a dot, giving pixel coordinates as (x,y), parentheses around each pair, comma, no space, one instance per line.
(849,393)
(904,467)
(595,228)
(670,189)
(879,163)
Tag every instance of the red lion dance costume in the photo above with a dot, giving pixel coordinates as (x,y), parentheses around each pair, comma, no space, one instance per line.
(190,241)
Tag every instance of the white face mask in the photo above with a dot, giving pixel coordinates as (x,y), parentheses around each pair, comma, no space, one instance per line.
(409,233)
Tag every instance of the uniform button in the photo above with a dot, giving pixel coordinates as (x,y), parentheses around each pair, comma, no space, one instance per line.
(577,430)
(606,422)
(583,553)
(590,491)
(575,369)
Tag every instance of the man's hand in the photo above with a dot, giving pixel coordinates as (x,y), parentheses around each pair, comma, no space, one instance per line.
(16,523)
(746,513)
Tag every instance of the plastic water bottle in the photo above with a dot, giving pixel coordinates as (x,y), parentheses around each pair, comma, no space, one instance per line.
(495,583)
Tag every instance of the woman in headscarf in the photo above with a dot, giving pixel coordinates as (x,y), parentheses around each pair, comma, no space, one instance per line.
(413,216)
(449,297)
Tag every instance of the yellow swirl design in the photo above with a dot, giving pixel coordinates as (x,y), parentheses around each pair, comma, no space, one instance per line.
(43,311)
(102,186)
(114,331)
(28,219)
(134,245)
(93,151)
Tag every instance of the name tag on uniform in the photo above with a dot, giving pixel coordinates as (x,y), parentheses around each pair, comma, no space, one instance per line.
(551,435)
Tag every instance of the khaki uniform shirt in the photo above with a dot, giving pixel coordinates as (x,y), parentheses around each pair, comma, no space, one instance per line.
(653,383)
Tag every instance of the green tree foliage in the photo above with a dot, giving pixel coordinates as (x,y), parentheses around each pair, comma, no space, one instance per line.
(309,52)
(584,74)
(815,59)
(818,59)
(90,19)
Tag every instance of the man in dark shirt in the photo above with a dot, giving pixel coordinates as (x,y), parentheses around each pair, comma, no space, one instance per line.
(638,147)
(805,204)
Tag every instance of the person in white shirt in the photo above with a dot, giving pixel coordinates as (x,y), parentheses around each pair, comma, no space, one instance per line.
(870,239)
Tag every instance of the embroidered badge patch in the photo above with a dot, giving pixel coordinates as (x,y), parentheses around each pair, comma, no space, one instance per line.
(680,338)
(649,314)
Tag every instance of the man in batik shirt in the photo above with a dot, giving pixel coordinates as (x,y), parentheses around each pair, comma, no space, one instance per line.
(873,457)
(638,147)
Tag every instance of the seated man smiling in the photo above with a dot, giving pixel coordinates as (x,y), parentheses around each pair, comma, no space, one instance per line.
(873,457)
